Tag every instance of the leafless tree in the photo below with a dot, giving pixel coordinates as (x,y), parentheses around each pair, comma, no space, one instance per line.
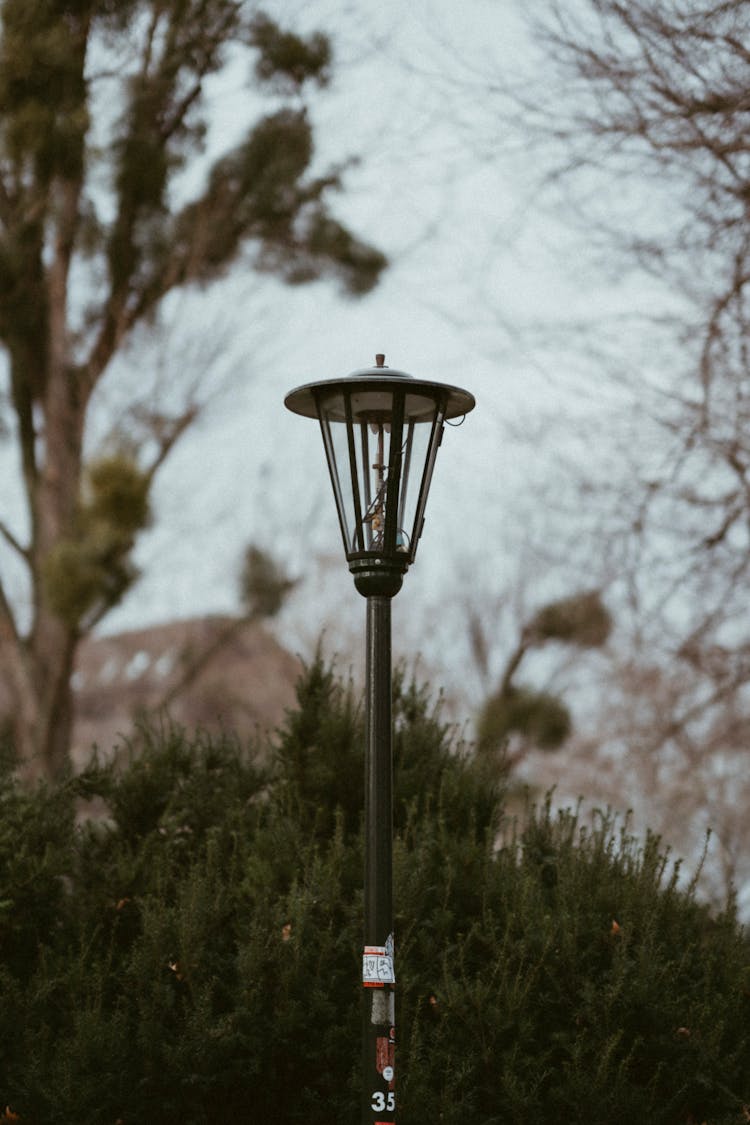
(635,117)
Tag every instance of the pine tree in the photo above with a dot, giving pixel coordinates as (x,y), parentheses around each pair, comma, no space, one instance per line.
(193,956)
(100,109)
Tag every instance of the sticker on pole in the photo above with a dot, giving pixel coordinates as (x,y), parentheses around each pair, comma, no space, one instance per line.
(377,966)
(385,1062)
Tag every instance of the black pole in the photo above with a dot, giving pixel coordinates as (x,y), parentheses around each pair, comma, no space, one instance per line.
(378,977)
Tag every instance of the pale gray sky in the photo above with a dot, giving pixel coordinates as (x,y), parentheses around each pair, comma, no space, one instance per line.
(469,266)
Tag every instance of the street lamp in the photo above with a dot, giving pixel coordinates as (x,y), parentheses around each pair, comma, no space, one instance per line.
(381,430)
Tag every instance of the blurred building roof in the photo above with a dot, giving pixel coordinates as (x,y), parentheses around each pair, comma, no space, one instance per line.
(209,672)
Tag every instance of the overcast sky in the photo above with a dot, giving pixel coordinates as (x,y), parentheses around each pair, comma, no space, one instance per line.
(443,188)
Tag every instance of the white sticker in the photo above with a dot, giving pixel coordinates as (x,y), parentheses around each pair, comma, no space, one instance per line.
(377,967)
(388,1073)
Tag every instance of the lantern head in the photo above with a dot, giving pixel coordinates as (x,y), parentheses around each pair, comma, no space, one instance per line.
(381,431)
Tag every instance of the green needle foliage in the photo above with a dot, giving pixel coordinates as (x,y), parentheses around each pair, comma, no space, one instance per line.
(89,571)
(193,954)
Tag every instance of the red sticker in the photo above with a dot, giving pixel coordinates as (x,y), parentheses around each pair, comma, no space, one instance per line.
(385,1050)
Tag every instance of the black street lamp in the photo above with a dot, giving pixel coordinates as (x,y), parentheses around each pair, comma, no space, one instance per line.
(381,431)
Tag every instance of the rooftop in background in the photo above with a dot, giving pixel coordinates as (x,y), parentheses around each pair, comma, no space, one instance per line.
(236,677)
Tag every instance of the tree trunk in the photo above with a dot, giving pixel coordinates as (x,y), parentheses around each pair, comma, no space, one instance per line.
(42,717)
(42,663)
(48,740)
(53,641)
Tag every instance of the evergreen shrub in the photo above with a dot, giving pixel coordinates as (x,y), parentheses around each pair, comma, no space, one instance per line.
(193,955)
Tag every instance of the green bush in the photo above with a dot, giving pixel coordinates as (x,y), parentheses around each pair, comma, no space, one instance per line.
(193,955)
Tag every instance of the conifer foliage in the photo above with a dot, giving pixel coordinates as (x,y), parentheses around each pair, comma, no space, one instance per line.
(101,110)
(193,956)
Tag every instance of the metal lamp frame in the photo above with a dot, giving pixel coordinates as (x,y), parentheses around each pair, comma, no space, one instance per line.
(380,544)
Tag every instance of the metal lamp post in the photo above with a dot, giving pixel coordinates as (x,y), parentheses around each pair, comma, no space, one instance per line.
(381,431)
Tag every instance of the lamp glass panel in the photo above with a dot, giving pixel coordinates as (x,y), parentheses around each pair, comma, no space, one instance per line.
(336,440)
(427,466)
(357,431)
(422,428)
(357,435)
(415,453)
(375,460)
